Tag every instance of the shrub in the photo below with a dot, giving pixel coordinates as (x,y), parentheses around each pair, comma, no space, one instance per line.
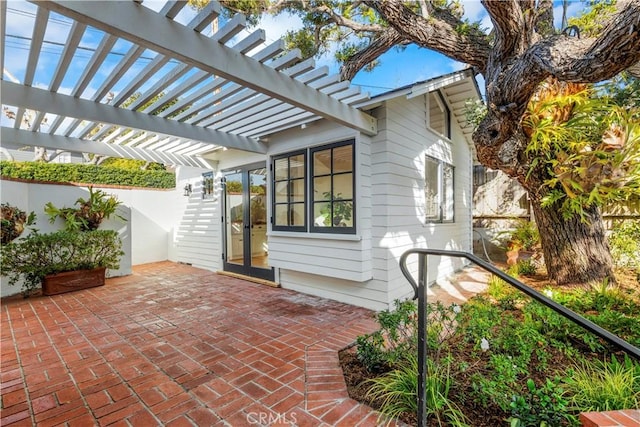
(526,267)
(625,244)
(38,255)
(87,174)
(540,406)
(506,295)
(524,236)
(115,162)
(395,338)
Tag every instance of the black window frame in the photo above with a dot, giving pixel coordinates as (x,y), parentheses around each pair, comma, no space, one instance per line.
(289,202)
(333,229)
(442,191)
(309,199)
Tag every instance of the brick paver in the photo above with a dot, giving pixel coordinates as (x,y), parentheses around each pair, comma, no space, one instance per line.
(178,346)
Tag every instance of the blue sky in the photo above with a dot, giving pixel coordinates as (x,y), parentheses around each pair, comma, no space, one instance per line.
(397,68)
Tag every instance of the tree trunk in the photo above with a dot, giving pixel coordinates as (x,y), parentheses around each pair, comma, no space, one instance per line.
(575,251)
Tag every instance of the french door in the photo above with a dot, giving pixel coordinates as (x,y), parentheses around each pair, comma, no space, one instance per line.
(246,249)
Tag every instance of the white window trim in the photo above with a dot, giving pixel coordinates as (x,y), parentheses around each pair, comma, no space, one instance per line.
(441,192)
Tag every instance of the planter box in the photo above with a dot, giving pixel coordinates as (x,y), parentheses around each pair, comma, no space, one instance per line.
(69,281)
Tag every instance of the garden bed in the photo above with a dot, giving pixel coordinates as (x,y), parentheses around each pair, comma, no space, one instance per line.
(534,366)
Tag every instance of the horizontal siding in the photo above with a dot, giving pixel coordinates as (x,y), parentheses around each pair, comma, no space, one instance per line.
(370,294)
(335,259)
(198,235)
(398,201)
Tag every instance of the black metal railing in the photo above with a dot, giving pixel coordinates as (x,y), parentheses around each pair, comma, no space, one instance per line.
(420,289)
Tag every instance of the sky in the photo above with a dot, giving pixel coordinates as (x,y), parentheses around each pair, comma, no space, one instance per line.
(397,68)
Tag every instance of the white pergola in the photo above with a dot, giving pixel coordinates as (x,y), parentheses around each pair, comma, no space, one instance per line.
(197,90)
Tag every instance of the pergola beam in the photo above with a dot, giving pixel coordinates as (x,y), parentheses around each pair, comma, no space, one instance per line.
(18,138)
(55,103)
(140,25)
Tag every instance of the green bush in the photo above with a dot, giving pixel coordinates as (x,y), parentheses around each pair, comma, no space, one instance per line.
(526,267)
(396,337)
(114,162)
(541,406)
(625,243)
(38,255)
(507,354)
(87,174)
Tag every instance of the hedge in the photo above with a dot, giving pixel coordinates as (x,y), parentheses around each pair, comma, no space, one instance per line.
(86,174)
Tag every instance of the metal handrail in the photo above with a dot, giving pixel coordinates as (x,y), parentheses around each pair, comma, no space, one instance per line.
(421,295)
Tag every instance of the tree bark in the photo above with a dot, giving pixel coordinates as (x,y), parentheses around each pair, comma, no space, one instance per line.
(575,251)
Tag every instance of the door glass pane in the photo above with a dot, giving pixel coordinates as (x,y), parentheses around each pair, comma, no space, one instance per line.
(282,169)
(297,166)
(258,214)
(234,218)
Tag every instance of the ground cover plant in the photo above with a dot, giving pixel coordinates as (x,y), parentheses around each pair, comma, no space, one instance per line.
(502,358)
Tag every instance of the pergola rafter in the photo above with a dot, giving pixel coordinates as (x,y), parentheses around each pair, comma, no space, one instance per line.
(208,92)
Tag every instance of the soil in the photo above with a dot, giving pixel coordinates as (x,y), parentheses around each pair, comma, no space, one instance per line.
(356,375)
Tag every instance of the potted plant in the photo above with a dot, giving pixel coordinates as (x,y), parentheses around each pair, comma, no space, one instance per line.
(523,239)
(61,261)
(70,259)
(14,221)
(341,211)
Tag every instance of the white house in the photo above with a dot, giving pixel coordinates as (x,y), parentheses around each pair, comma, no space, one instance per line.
(408,186)
(295,177)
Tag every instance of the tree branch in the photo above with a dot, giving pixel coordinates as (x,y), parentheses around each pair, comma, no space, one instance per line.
(377,47)
(442,32)
(593,60)
(544,17)
(508,26)
(345,22)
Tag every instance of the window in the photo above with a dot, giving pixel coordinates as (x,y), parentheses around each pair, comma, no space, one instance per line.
(289,192)
(331,186)
(207,186)
(438,190)
(439,114)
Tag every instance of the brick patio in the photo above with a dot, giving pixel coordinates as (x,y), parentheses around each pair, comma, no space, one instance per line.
(178,346)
